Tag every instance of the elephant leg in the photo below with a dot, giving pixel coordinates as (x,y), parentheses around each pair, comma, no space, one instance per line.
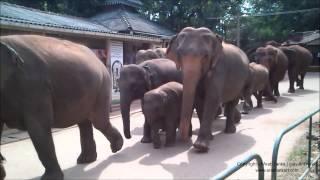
(258,96)
(88,145)
(111,133)
(230,113)
(211,104)
(2,171)
(276,89)
(1,129)
(292,78)
(38,120)
(101,121)
(268,92)
(302,80)
(171,132)
(247,104)
(298,81)
(146,133)
(199,108)
(156,137)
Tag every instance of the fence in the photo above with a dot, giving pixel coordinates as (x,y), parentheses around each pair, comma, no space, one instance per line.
(228,172)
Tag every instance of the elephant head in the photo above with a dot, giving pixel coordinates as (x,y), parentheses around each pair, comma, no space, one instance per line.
(195,52)
(267,56)
(133,83)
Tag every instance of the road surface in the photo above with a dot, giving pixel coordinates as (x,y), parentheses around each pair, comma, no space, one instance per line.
(255,133)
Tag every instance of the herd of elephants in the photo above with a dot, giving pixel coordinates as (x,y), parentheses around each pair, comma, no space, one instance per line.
(52,83)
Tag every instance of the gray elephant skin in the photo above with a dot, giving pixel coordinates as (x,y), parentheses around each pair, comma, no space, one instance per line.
(143,55)
(276,62)
(50,83)
(136,80)
(161,108)
(257,83)
(215,73)
(299,59)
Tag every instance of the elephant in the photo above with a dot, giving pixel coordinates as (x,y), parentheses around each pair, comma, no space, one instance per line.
(143,55)
(276,62)
(136,80)
(51,83)
(214,72)
(257,83)
(161,108)
(299,59)
(2,171)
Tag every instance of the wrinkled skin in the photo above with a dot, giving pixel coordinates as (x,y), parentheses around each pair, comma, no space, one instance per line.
(161,108)
(136,80)
(213,73)
(276,62)
(299,59)
(143,55)
(257,83)
(50,83)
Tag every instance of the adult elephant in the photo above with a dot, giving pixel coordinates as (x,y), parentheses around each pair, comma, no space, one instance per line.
(213,71)
(276,62)
(143,55)
(47,82)
(299,59)
(136,80)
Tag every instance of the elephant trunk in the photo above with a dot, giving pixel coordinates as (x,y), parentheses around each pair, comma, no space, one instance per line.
(191,75)
(125,112)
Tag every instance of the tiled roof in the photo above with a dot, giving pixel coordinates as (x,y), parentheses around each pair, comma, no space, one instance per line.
(15,13)
(124,20)
(131,3)
(304,37)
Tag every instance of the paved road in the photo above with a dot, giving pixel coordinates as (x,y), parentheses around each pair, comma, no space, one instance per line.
(255,133)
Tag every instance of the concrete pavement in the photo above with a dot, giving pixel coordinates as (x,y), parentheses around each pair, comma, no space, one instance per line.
(255,133)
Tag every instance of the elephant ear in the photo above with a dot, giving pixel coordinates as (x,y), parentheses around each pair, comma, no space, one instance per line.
(171,51)
(216,48)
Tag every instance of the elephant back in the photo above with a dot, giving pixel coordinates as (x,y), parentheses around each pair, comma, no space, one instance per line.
(161,71)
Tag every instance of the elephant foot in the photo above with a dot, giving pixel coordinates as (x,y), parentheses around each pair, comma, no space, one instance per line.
(52,175)
(259,106)
(116,141)
(146,139)
(201,145)
(291,90)
(301,87)
(156,145)
(230,129)
(127,135)
(87,157)
(245,112)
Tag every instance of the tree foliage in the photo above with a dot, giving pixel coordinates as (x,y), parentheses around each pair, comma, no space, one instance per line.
(177,14)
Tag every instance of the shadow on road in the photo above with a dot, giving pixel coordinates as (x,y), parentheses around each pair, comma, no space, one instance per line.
(201,166)
(300,92)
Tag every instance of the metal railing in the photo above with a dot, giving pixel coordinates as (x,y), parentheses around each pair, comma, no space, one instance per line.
(228,172)
(277,145)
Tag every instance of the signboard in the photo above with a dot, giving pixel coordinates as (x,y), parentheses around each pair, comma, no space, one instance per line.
(116,57)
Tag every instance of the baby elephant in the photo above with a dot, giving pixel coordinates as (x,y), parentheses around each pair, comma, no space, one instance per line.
(161,108)
(257,84)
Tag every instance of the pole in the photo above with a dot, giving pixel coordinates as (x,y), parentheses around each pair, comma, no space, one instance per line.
(238,30)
